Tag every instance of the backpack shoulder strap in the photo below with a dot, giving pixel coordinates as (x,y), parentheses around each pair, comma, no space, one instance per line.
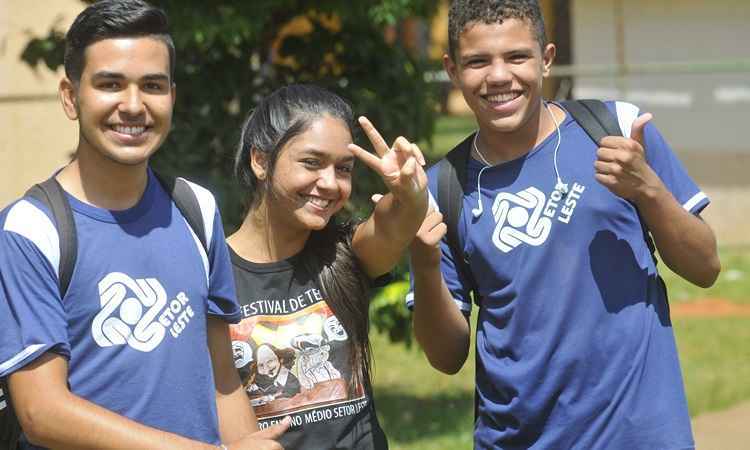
(451,181)
(594,117)
(51,194)
(184,197)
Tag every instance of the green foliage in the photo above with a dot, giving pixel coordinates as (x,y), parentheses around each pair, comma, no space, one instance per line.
(388,314)
(229,55)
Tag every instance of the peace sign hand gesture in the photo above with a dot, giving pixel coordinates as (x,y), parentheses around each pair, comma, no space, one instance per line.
(400,166)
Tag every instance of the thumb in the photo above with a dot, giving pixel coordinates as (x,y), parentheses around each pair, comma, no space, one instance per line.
(376,197)
(636,131)
(274,431)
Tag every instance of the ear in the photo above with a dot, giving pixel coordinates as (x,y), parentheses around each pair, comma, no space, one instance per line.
(548,57)
(174,94)
(451,68)
(259,164)
(67,91)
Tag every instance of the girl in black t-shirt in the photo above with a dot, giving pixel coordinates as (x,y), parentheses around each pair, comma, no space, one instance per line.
(295,161)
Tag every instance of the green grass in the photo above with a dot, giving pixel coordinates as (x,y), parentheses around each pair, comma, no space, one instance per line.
(449,131)
(733,283)
(715,358)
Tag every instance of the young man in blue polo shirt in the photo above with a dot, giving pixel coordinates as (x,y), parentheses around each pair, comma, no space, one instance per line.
(575,347)
(136,354)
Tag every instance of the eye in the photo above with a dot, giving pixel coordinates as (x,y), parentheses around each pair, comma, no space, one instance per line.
(153,86)
(518,58)
(310,163)
(345,169)
(475,62)
(108,85)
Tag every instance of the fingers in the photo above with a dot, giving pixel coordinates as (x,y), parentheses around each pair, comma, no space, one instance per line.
(381,147)
(607,168)
(636,131)
(274,431)
(372,161)
(418,154)
(432,230)
(607,180)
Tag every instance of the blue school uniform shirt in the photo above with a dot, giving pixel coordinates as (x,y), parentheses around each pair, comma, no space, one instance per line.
(575,347)
(133,322)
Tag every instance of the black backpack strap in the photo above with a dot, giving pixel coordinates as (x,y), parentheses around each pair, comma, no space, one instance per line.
(594,117)
(51,194)
(184,197)
(451,181)
(598,121)
(10,430)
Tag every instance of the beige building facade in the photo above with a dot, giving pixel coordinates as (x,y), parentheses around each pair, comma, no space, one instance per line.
(35,136)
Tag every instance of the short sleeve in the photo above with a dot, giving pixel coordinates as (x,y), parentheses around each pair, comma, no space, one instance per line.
(454,280)
(32,316)
(222,297)
(664,162)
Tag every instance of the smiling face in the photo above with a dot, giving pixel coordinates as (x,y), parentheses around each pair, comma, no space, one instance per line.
(499,69)
(268,362)
(312,176)
(123,101)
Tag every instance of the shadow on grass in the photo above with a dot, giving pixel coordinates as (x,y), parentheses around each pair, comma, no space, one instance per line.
(407,418)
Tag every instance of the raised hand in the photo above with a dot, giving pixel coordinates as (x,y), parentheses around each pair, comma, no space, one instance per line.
(621,164)
(399,165)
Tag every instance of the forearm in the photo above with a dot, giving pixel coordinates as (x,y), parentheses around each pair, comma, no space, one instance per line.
(70,422)
(686,244)
(439,325)
(54,417)
(236,417)
(380,241)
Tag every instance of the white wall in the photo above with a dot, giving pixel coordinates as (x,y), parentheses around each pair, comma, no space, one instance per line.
(707,112)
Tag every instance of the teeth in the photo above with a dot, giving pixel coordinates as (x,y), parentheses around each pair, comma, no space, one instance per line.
(319,202)
(503,97)
(133,131)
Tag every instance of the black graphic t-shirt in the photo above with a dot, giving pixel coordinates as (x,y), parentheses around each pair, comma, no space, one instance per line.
(293,357)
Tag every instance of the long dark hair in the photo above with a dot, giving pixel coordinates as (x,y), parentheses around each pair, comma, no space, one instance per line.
(284,114)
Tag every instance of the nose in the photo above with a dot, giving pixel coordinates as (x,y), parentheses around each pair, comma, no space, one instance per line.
(499,73)
(132,103)
(327,178)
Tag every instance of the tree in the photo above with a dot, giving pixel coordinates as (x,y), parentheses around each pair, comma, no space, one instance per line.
(232,53)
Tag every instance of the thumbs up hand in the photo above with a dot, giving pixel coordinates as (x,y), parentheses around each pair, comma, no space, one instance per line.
(621,164)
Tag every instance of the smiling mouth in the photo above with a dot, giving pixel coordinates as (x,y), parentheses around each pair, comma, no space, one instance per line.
(317,201)
(130,130)
(501,98)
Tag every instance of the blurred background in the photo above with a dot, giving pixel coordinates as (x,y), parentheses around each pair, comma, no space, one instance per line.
(686,61)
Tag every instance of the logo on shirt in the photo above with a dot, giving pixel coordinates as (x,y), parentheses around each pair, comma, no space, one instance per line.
(526,217)
(137,313)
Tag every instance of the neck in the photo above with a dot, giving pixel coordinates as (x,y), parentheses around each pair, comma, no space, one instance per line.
(104,183)
(262,239)
(499,147)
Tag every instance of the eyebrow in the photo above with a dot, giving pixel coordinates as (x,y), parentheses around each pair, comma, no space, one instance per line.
(104,74)
(325,155)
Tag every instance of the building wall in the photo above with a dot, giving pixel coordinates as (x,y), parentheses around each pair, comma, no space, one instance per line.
(703,112)
(35,136)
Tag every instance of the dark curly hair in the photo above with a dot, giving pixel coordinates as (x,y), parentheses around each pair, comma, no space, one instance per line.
(464,12)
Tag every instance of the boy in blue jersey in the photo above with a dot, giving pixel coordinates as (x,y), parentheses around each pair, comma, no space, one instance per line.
(574,342)
(137,353)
